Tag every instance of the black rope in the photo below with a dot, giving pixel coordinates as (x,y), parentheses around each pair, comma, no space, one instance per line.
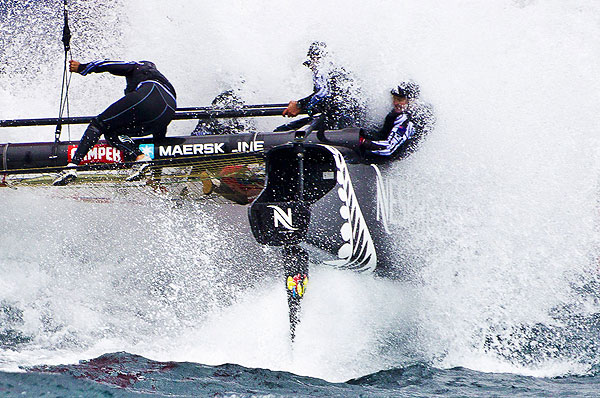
(66,80)
(66,39)
(65,101)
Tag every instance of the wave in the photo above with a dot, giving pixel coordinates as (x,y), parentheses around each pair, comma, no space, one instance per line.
(121,374)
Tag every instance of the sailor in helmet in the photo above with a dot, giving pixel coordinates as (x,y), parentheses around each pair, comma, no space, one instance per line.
(336,94)
(408,121)
(226,100)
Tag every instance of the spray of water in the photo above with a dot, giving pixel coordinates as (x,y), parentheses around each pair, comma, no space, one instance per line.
(496,214)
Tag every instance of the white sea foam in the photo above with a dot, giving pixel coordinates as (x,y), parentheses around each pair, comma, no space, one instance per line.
(497,212)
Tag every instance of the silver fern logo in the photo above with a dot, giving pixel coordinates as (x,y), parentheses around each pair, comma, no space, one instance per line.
(283,218)
(358,251)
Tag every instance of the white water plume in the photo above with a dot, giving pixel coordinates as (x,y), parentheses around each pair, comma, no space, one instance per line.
(497,212)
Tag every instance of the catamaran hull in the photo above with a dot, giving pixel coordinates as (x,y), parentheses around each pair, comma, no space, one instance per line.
(348,224)
(39,155)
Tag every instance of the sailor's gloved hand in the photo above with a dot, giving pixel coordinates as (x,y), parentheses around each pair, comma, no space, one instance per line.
(74,66)
(292,110)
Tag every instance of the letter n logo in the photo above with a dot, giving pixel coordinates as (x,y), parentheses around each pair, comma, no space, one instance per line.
(280,217)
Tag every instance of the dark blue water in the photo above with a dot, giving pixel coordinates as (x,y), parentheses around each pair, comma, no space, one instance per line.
(126,375)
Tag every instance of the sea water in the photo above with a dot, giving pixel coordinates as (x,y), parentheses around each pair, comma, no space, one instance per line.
(496,216)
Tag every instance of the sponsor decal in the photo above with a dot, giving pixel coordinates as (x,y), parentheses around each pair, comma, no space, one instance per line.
(328,175)
(148,150)
(209,148)
(253,146)
(283,218)
(100,153)
(297,284)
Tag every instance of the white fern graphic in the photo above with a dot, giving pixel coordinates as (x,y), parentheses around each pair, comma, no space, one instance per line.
(358,251)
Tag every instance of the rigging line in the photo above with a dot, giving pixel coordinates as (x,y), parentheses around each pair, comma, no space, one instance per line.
(61,106)
(68,111)
(67,32)
(66,39)
(65,101)
(67,98)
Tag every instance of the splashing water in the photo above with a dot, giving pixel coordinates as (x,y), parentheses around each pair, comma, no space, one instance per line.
(497,213)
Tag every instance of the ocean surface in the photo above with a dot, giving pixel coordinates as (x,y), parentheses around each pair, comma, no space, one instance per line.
(496,217)
(125,375)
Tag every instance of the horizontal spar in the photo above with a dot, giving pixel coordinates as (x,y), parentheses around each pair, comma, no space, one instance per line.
(228,113)
(180,114)
(210,108)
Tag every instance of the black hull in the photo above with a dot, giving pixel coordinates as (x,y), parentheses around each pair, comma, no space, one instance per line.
(348,221)
(343,209)
(39,155)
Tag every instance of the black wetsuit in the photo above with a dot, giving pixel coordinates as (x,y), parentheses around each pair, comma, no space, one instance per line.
(147,108)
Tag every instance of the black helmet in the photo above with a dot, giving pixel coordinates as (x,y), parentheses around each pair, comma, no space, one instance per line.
(407,89)
(316,51)
(227,99)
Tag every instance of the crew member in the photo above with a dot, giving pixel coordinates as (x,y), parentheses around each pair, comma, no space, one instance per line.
(225,101)
(146,109)
(404,126)
(335,94)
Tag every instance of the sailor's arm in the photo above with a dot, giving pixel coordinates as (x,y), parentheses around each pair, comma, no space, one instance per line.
(308,104)
(293,109)
(311,102)
(119,68)
(319,96)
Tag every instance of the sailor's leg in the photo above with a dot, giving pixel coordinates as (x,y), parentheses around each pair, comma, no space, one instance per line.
(90,138)
(124,142)
(118,116)
(158,111)
(147,111)
(122,120)
(295,260)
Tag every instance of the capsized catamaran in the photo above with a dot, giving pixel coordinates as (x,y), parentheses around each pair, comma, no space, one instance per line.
(302,190)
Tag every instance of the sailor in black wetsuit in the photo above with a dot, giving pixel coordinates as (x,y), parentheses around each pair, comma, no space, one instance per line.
(146,109)
(409,121)
(336,94)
